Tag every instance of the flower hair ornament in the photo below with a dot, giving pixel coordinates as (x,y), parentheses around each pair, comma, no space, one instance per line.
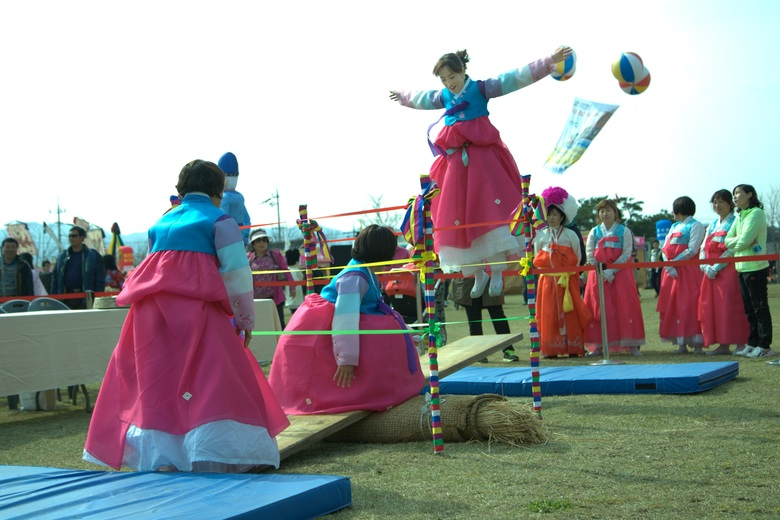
(561,199)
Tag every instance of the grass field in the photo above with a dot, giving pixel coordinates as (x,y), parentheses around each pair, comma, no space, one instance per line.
(708,455)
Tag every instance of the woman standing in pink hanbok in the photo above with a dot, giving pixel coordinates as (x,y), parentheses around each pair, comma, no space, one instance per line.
(721,312)
(678,301)
(478,177)
(182,391)
(612,243)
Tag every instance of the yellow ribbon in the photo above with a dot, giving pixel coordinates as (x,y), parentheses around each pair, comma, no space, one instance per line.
(424,257)
(526,264)
(563,281)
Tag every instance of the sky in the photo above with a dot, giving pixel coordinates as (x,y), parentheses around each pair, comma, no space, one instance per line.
(102,103)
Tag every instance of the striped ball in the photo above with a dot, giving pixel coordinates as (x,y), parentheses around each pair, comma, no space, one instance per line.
(628,69)
(565,69)
(638,87)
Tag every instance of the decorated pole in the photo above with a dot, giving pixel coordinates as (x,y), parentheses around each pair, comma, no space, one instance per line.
(309,252)
(417,228)
(529,216)
(433,349)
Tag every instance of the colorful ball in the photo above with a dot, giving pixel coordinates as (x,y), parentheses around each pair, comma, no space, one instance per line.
(628,69)
(638,87)
(565,69)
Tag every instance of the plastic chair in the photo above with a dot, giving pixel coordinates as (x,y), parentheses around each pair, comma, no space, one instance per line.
(50,304)
(15,306)
(47,304)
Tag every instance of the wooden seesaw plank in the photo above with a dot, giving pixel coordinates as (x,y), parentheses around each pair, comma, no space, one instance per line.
(305,430)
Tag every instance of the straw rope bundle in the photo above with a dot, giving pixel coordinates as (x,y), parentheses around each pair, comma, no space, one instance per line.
(105,302)
(486,417)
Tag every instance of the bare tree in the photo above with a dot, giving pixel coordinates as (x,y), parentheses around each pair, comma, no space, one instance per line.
(772,209)
(383,218)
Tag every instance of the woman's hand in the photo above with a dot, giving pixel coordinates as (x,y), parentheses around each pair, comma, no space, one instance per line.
(394,95)
(247,335)
(344,375)
(561,53)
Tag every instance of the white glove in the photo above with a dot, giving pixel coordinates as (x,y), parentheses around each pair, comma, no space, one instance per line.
(671,271)
(711,272)
(703,268)
(609,275)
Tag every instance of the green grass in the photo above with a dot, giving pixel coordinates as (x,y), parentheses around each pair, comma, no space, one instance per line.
(708,455)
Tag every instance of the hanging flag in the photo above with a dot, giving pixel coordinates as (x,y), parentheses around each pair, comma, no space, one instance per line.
(586,120)
(116,241)
(95,237)
(49,231)
(21,233)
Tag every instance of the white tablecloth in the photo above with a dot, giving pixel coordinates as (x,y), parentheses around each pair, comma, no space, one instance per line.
(54,349)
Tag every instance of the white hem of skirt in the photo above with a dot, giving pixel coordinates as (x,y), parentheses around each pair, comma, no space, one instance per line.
(225,446)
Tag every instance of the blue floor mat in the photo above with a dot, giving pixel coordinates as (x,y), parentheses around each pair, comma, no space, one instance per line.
(684,378)
(48,493)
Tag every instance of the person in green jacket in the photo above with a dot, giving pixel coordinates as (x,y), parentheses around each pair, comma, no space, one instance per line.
(746,238)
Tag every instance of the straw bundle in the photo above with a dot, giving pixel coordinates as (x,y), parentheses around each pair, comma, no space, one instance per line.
(486,417)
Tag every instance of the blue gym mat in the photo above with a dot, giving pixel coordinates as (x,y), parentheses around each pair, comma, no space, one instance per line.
(684,378)
(48,493)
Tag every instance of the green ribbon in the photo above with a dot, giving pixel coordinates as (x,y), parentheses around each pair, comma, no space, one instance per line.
(328,332)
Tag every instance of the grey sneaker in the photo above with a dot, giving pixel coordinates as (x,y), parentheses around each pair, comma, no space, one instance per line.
(745,351)
(758,352)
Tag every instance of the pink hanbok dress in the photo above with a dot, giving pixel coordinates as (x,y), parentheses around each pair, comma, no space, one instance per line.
(721,312)
(678,301)
(622,309)
(387,367)
(181,391)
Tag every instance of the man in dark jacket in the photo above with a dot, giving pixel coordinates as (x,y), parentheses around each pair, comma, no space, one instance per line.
(79,269)
(16,273)
(15,280)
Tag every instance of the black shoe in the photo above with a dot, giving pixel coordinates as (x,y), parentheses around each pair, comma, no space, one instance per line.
(509,356)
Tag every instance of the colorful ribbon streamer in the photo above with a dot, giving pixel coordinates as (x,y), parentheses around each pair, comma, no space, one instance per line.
(413,225)
(319,236)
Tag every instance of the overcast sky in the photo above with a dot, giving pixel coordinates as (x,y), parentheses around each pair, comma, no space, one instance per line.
(103,102)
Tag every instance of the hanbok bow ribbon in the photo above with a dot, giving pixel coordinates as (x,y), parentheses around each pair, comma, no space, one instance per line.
(435,148)
(563,281)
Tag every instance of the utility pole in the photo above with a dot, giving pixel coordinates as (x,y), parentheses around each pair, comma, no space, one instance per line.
(59,224)
(272,201)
